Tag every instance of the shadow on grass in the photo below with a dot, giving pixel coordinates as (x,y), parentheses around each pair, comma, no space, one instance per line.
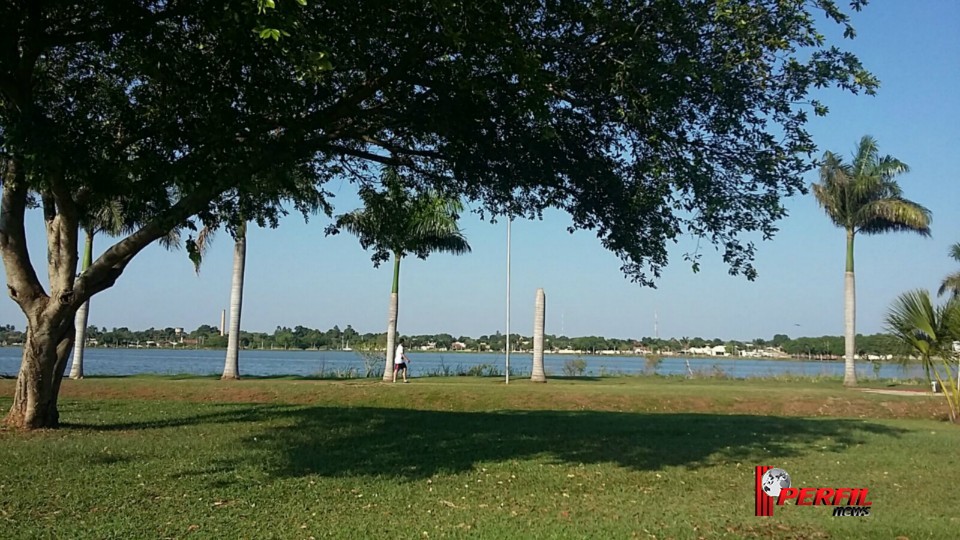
(415,444)
(294,441)
(217,415)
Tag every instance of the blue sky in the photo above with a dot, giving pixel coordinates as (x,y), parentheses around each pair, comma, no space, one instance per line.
(295,275)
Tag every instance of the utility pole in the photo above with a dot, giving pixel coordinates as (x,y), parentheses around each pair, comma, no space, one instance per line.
(507,380)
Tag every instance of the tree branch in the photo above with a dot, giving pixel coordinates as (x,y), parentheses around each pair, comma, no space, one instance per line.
(62,236)
(22,283)
(110,265)
(362,154)
(394,149)
(130,21)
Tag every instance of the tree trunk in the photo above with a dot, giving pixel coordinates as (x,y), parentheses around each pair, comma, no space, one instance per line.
(79,341)
(539,318)
(231,368)
(849,318)
(45,354)
(392,320)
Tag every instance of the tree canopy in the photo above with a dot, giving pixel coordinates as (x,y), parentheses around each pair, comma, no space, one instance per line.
(644,120)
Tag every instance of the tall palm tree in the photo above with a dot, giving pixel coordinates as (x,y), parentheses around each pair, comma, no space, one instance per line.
(110,219)
(864,197)
(231,365)
(951,283)
(397,223)
(299,191)
(930,331)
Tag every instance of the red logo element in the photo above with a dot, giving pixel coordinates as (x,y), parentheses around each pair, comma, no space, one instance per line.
(764,502)
(847,501)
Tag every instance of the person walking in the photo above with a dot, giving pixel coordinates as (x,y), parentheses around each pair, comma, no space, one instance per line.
(400,362)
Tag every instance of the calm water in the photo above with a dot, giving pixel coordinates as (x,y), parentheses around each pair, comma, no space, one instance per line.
(312,363)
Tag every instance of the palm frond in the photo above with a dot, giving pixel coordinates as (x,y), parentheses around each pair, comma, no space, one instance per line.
(864,195)
(866,155)
(894,214)
(955,251)
(454,243)
(888,167)
(950,284)
(832,190)
(111,219)
(396,220)
(913,319)
(171,240)
(197,249)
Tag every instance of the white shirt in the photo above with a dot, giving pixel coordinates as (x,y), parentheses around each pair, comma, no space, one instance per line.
(398,357)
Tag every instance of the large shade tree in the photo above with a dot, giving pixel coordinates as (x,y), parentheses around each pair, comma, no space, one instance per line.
(396,223)
(863,197)
(644,121)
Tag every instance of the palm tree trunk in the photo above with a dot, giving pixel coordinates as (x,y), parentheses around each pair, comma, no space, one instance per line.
(539,317)
(231,368)
(849,317)
(80,321)
(392,319)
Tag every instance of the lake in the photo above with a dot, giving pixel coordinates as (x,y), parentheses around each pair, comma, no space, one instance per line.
(98,361)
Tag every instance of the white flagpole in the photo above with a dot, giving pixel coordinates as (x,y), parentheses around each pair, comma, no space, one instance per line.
(507,381)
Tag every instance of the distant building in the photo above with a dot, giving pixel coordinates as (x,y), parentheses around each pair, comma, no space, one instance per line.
(458,346)
(719,350)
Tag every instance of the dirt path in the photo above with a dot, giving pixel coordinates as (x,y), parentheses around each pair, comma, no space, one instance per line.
(899,392)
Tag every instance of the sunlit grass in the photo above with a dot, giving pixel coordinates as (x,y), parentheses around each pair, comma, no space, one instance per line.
(469,457)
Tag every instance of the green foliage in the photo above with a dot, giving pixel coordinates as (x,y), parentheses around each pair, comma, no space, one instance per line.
(864,197)
(951,283)
(575,367)
(639,121)
(396,222)
(482,370)
(931,331)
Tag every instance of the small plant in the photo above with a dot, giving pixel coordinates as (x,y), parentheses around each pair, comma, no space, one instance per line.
(575,367)
(480,370)
(349,373)
(652,363)
(323,367)
(719,373)
(444,370)
(372,364)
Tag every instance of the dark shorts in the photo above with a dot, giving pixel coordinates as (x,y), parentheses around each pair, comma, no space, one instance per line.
(401,365)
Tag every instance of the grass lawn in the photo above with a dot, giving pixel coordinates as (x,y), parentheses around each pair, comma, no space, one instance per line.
(627,457)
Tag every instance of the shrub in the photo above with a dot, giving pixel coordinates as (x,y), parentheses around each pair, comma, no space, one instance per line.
(575,367)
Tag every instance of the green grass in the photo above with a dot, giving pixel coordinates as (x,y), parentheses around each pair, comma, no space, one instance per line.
(152,457)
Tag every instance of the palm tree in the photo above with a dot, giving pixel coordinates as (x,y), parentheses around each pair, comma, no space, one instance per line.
(864,197)
(930,331)
(231,365)
(951,283)
(537,374)
(304,196)
(110,219)
(397,223)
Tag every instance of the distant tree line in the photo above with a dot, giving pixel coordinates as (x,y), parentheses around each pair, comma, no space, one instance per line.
(303,338)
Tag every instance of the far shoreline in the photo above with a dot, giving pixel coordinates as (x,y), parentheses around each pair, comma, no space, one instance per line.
(592,356)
